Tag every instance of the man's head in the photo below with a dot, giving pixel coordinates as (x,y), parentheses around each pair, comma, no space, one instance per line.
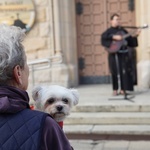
(13,65)
(115,20)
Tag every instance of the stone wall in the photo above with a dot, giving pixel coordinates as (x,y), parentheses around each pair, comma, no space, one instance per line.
(39,40)
(143,51)
(53,35)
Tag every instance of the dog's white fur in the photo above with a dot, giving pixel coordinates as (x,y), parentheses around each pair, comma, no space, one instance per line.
(55,100)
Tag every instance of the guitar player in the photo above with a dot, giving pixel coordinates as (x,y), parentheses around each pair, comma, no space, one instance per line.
(118,55)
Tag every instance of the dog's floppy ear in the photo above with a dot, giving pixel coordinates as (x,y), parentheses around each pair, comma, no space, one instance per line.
(75,94)
(36,93)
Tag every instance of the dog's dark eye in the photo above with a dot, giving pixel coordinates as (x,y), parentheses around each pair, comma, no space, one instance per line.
(65,100)
(50,101)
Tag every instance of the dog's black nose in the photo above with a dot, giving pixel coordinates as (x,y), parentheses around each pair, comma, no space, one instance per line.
(59,108)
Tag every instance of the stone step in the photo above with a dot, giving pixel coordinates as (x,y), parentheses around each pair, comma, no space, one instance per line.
(108,118)
(112,108)
(108,129)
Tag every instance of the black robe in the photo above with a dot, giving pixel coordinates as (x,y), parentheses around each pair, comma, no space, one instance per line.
(120,63)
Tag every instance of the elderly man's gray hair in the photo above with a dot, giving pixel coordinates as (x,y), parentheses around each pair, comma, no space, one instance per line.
(11,51)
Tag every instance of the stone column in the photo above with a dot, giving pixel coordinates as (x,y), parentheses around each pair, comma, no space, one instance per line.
(68,27)
(65,40)
(57,32)
(143,51)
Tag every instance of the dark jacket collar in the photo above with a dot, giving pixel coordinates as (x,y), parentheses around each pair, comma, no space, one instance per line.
(13,99)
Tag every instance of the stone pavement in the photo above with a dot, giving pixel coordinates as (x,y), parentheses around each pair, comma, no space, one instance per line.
(109,145)
(101,95)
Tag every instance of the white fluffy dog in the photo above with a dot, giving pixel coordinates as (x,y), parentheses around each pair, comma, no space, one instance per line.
(55,100)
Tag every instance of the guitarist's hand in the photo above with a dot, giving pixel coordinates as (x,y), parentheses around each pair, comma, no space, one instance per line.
(137,33)
(117,37)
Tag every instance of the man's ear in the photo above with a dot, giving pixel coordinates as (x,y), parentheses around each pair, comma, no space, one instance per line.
(18,74)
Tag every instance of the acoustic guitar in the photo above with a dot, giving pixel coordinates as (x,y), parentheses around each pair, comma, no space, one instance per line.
(116,45)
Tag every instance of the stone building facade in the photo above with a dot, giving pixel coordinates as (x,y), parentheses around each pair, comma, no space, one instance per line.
(51,45)
(143,51)
(53,37)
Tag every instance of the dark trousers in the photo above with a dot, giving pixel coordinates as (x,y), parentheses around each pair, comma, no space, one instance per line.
(121,71)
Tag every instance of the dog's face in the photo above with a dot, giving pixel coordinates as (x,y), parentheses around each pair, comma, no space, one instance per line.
(55,100)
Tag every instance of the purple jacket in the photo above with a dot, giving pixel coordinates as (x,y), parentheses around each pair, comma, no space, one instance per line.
(13,100)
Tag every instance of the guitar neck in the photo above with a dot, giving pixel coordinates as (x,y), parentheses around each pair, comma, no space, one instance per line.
(129,34)
(133,31)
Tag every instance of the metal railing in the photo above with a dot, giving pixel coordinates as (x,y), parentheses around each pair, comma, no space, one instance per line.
(41,64)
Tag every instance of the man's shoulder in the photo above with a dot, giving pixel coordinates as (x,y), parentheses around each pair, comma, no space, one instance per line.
(107,30)
(33,111)
(28,114)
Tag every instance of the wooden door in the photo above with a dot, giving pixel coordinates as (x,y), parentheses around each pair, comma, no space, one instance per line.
(92,18)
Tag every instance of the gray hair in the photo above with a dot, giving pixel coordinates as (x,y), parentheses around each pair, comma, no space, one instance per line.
(11,51)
